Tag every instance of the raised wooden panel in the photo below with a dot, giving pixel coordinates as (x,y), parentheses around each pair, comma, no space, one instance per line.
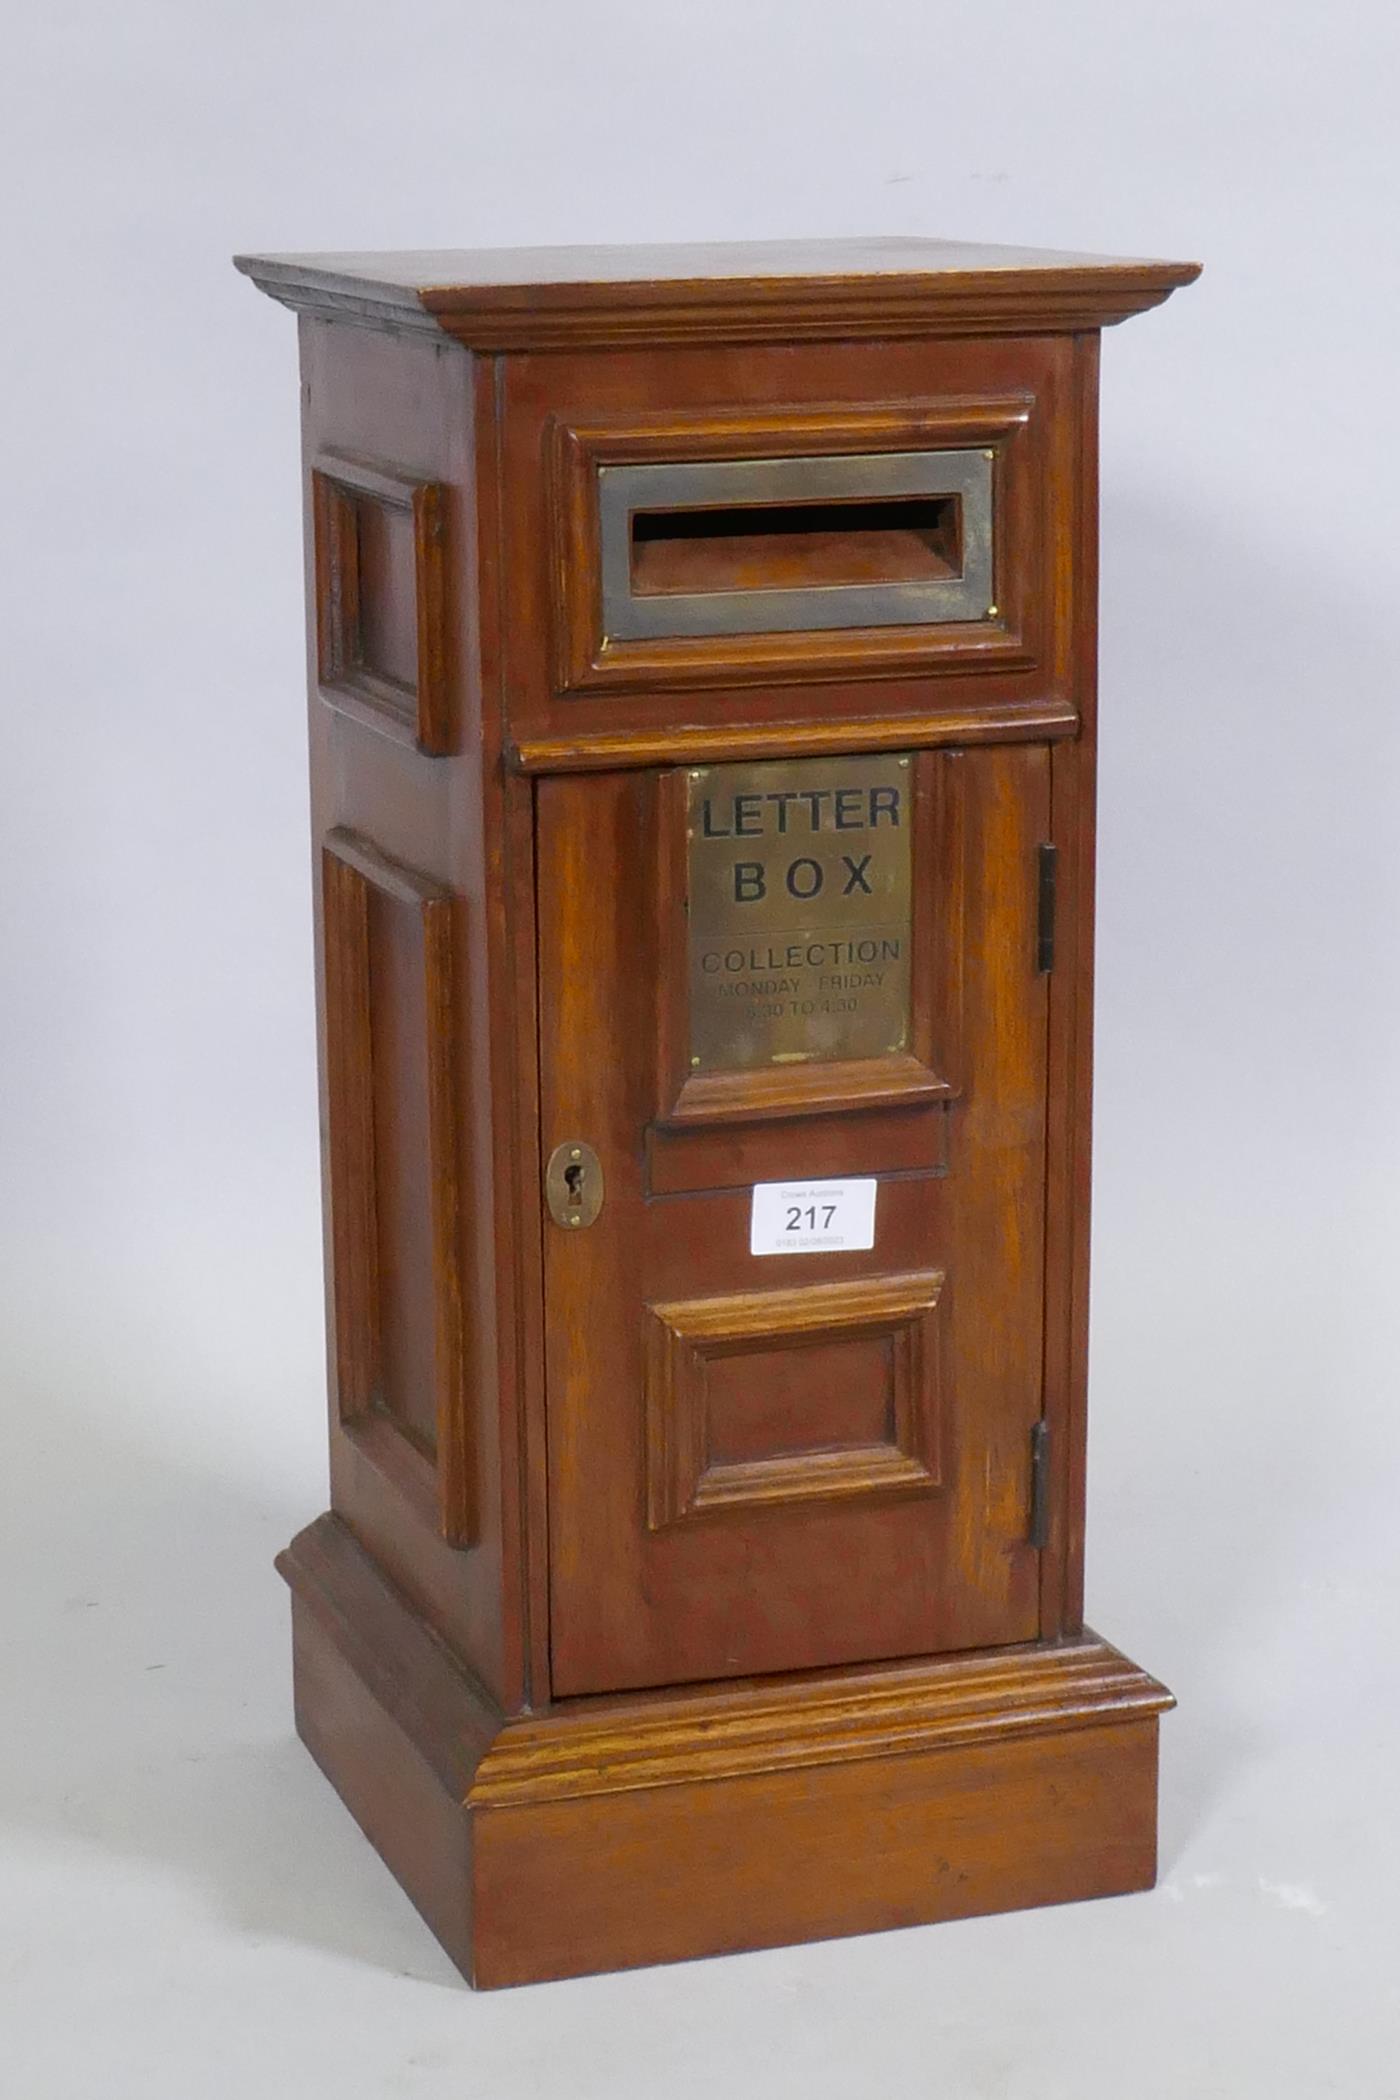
(816,1393)
(1004,636)
(394,1170)
(381,585)
(785,1402)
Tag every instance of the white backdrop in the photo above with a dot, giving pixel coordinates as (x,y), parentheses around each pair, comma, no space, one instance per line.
(186,1908)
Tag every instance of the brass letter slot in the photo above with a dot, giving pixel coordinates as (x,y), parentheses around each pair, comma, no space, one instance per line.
(765,546)
(762,546)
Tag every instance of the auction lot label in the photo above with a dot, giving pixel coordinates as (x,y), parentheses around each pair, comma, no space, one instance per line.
(812,1217)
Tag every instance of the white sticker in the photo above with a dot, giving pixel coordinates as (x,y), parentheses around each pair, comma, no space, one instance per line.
(811,1217)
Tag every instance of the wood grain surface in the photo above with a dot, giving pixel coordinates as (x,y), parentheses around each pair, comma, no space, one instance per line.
(615,1832)
(675,1600)
(791,291)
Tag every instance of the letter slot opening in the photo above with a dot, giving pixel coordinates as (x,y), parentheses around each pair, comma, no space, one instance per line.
(755,546)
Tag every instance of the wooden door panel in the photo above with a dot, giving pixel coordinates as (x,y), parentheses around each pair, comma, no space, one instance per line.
(782,1462)
(792,1396)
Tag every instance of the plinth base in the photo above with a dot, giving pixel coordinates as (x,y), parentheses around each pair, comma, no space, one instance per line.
(614,1832)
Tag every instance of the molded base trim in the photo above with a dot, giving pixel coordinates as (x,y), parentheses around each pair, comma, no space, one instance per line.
(614,1832)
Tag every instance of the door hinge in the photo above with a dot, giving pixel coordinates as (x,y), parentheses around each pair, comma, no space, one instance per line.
(1038,1533)
(1047,858)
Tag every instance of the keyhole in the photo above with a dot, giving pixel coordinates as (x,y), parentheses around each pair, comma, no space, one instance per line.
(573,1181)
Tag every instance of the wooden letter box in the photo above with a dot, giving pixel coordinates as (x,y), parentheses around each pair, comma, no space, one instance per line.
(702,733)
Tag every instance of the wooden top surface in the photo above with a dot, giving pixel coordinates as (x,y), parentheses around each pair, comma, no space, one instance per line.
(536,298)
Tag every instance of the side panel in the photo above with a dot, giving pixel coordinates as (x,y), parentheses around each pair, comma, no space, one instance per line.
(415,1108)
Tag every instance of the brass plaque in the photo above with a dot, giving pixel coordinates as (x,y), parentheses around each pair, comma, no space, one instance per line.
(799,901)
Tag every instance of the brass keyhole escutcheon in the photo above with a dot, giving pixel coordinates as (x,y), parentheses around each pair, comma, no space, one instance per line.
(573,1184)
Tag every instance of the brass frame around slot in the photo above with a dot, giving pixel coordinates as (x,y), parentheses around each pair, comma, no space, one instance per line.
(624,490)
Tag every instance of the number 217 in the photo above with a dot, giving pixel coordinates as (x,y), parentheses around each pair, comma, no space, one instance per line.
(800,1220)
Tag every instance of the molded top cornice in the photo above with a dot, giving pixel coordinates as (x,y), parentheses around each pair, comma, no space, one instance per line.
(753,291)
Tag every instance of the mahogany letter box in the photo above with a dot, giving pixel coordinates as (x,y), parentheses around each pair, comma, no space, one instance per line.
(702,732)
